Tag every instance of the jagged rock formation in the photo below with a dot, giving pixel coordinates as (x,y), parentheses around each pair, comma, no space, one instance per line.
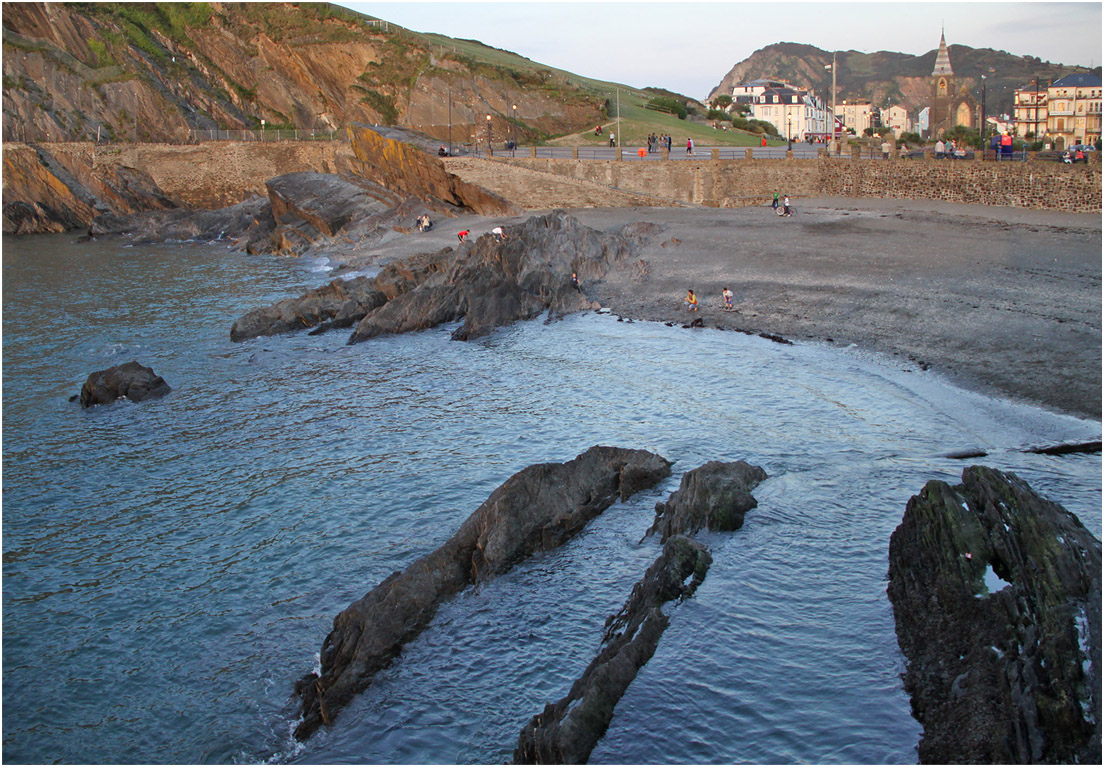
(539,508)
(490,283)
(131,380)
(996,594)
(336,305)
(567,731)
(715,496)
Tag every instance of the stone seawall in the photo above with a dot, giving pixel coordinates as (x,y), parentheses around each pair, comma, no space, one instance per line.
(1038,185)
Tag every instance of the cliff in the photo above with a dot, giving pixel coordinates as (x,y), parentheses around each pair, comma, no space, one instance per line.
(158,71)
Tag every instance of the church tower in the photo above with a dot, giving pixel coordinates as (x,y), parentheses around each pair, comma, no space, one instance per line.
(942,90)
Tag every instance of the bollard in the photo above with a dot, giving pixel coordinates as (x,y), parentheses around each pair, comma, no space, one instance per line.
(747,153)
(716,153)
(533,151)
(574,153)
(617,154)
(789,154)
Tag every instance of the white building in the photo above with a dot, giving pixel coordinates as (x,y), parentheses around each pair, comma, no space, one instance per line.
(922,121)
(794,113)
(897,119)
(857,117)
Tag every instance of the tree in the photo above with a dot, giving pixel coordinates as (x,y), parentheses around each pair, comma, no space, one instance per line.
(724,101)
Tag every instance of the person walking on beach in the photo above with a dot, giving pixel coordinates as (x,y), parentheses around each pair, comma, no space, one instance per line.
(727,295)
(691,300)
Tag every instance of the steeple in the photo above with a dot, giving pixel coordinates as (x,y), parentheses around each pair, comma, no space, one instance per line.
(943,58)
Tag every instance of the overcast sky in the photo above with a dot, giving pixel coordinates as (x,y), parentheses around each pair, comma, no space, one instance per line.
(687,47)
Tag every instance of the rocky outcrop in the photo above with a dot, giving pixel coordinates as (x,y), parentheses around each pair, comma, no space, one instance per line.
(490,283)
(538,508)
(996,595)
(715,496)
(407,169)
(131,380)
(567,731)
(336,305)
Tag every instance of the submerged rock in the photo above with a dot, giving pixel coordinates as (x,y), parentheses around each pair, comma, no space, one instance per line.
(996,595)
(131,380)
(539,508)
(715,496)
(567,731)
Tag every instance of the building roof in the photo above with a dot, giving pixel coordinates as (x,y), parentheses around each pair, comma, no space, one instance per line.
(943,58)
(1077,80)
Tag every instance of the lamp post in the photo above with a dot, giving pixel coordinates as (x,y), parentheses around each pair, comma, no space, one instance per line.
(262,128)
(983,115)
(1035,132)
(514,147)
(489,150)
(832,66)
(450,121)
(789,132)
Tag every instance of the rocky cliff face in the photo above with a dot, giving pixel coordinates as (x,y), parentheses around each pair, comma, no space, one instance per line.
(154,71)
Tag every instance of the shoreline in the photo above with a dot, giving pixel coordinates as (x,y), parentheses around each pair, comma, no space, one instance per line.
(1004,301)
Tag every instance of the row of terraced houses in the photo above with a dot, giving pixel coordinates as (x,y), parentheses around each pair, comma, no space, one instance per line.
(1060,113)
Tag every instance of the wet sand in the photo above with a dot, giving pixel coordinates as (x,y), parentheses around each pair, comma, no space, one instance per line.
(1000,300)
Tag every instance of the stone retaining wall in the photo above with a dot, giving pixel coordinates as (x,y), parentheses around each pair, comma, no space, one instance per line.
(1039,185)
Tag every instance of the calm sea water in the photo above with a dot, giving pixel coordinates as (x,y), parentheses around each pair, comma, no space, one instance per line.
(170,568)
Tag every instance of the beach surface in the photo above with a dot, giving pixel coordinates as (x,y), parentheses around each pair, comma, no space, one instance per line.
(1005,301)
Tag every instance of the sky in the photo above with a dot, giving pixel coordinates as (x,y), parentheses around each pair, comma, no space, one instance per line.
(688,47)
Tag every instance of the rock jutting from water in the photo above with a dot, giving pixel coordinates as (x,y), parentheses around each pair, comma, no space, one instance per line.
(488,283)
(715,496)
(539,508)
(567,731)
(996,596)
(131,380)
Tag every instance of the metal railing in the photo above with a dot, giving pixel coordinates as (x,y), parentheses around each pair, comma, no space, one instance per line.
(198,135)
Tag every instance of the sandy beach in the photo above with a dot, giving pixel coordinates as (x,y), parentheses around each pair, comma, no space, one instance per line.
(1000,300)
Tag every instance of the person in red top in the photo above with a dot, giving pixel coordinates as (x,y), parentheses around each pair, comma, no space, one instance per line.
(463,236)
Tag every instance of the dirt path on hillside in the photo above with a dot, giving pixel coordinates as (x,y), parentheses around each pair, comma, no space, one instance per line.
(1005,301)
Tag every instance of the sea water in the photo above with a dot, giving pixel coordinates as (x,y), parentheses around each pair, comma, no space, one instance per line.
(171,567)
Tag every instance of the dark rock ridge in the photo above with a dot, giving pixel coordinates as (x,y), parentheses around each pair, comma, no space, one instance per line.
(715,496)
(131,380)
(490,283)
(538,508)
(567,731)
(339,304)
(996,596)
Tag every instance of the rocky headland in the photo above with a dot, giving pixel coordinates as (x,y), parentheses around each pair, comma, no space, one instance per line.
(996,594)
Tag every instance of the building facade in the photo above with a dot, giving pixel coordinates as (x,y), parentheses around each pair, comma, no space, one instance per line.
(856,116)
(1030,110)
(1073,110)
(795,113)
(949,108)
(897,119)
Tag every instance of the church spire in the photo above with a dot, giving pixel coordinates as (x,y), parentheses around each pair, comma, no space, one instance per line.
(943,58)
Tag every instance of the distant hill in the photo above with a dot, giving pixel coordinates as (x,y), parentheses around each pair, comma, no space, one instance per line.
(888,78)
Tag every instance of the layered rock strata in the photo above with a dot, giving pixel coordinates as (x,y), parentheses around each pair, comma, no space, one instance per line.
(996,595)
(539,508)
(569,729)
(131,380)
(487,283)
(715,496)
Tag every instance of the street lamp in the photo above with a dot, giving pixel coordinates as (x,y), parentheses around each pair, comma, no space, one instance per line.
(514,147)
(983,115)
(489,151)
(262,128)
(789,132)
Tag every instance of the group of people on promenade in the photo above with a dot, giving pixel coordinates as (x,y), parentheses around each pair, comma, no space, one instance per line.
(692,300)
(655,142)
